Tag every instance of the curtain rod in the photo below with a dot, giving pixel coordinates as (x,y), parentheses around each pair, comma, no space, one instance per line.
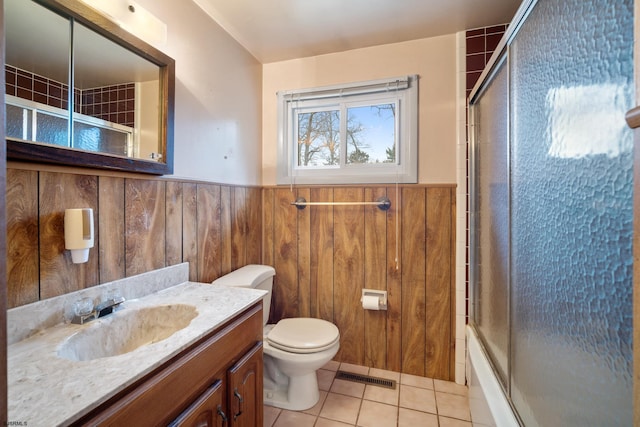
(383,203)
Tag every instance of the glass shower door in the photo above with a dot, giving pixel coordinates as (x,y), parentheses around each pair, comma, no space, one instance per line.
(552,214)
(571,82)
(490,216)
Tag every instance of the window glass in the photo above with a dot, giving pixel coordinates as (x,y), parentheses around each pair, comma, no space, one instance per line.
(371,134)
(357,133)
(318,138)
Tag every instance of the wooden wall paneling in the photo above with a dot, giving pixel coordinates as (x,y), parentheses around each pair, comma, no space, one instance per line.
(349,274)
(57,192)
(254,225)
(238,227)
(190,228)
(452,284)
(413,281)
(225,230)
(394,280)
(145,225)
(23,270)
(438,283)
(321,254)
(111,220)
(209,233)
(173,212)
(375,277)
(268,242)
(285,291)
(268,223)
(304,255)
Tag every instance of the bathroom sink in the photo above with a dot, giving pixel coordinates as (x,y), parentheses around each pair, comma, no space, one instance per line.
(126,330)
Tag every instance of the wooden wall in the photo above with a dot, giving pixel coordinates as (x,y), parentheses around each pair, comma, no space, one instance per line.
(325,255)
(141,224)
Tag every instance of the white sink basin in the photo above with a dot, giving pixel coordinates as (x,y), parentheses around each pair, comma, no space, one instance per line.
(126,330)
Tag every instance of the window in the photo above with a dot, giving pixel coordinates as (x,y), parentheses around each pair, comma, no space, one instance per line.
(357,133)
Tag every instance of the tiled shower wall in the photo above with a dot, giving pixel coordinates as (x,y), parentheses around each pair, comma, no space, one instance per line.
(112,103)
(480,44)
(474,49)
(33,87)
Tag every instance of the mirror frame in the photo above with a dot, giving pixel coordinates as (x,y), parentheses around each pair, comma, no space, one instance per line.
(44,153)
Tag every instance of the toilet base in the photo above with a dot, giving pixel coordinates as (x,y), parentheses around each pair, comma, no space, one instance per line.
(302,393)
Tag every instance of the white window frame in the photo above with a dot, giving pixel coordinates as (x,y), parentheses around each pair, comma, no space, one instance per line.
(403,91)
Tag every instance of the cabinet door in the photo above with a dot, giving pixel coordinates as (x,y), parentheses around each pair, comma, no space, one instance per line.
(245,389)
(207,411)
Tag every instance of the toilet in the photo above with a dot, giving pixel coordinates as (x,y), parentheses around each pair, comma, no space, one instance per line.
(294,348)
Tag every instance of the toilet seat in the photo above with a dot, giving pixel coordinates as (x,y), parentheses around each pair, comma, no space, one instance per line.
(303,335)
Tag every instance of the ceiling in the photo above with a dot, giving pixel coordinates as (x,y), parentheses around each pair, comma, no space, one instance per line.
(277,30)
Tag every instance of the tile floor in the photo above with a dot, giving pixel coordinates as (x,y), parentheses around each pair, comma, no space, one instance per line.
(416,402)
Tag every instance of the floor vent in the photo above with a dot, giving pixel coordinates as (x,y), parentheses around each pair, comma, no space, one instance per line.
(366,379)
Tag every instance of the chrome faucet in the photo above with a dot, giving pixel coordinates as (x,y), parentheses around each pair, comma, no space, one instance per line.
(84,311)
(108,306)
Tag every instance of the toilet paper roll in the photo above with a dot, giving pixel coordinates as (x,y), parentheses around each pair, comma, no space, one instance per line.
(370,302)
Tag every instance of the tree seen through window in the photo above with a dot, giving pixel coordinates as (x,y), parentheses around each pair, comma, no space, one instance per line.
(370,135)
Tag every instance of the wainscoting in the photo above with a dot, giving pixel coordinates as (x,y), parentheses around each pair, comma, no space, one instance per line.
(140,225)
(325,255)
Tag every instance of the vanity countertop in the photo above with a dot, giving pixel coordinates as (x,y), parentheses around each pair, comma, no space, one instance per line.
(45,389)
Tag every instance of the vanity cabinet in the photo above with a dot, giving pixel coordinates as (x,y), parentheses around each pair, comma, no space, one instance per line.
(207,411)
(243,394)
(215,382)
(245,390)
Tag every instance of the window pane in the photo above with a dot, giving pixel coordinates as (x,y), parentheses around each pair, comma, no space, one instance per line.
(319,138)
(371,134)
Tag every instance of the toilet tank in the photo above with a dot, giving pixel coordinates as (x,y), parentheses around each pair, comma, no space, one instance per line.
(252,276)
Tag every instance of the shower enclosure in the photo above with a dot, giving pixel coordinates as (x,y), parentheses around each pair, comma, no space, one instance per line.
(552,213)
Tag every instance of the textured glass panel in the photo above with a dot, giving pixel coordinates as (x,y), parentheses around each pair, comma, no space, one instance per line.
(491,192)
(52,129)
(18,122)
(94,138)
(571,199)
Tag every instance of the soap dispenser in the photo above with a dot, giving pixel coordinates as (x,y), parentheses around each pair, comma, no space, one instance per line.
(78,233)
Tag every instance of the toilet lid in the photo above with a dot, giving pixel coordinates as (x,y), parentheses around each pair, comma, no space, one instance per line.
(303,335)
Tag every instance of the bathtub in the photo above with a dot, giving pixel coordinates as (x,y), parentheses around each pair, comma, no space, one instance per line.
(489,405)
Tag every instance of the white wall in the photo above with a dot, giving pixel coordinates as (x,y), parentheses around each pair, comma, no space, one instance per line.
(226,122)
(218,117)
(147,129)
(433,59)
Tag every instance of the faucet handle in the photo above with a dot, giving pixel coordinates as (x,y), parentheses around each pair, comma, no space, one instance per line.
(83,306)
(83,311)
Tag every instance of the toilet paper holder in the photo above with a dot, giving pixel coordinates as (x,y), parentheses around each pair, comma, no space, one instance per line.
(380,295)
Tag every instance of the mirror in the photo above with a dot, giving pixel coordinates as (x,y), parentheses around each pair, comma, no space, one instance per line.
(119,114)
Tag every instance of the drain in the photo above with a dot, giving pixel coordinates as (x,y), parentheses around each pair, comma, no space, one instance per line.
(366,379)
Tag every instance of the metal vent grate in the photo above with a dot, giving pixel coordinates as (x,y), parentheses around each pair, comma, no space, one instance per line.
(366,379)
